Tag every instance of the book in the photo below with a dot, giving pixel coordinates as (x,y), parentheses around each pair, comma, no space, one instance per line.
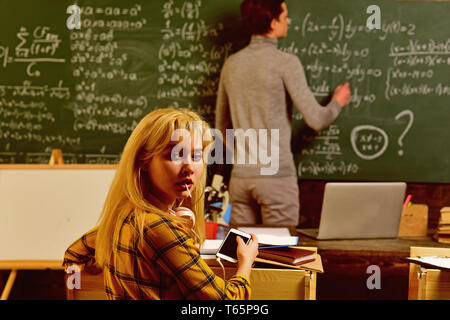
(272,237)
(272,231)
(266,242)
(288,255)
(210,246)
(442,233)
(315,265)
(445,215)
(442,238)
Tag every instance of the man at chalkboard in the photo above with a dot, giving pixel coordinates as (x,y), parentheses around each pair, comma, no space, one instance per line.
(257,87)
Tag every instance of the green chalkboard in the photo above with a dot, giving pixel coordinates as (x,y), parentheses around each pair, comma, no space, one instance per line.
(397,123)
(84,90)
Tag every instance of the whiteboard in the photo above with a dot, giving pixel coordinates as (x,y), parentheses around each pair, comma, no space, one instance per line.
(43,211)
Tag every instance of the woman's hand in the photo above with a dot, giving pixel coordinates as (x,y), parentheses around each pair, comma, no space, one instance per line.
(246,254)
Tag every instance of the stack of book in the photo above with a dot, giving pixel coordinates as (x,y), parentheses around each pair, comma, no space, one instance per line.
(292,256)
(443,232)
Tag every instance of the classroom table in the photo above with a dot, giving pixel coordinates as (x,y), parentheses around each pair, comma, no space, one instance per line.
(427,282)
(290,284)
(346,263)
(14,267)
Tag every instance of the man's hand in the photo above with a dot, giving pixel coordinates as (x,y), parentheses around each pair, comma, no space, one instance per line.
(342,94)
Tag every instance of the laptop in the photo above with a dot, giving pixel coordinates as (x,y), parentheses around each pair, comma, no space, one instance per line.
(359,210)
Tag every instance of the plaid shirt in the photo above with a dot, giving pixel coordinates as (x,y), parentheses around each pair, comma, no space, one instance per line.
(82,252)
(163,264)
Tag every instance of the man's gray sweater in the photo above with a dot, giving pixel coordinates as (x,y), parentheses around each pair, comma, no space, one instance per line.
(253,94)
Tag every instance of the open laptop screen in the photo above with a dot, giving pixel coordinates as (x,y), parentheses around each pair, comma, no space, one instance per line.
(361,210)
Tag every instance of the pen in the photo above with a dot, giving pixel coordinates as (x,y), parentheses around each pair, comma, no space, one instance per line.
(408,198)
(189,191)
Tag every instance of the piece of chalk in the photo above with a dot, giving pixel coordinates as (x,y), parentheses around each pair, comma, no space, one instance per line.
(189,191)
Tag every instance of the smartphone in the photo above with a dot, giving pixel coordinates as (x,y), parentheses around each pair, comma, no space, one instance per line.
(227,249)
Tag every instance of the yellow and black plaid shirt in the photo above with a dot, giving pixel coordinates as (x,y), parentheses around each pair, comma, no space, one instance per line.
(163,264)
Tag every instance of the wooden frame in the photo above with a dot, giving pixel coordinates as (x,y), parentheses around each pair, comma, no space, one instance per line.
(92,287)
(15,266)
(291,284)
(428,284)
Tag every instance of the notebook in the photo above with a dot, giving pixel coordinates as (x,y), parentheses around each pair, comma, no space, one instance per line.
(359,210)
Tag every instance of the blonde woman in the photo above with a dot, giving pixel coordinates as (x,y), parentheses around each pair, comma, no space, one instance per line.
(147,247)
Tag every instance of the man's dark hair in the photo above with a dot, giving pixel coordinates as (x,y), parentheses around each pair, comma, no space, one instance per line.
(258,14)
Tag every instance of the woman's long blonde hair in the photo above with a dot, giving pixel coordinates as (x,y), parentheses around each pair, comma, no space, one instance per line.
(129,192)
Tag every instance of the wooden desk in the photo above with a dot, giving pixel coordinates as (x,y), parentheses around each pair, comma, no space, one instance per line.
(345,263)
(428,284)
(16,266)
(92,287)
(290,284)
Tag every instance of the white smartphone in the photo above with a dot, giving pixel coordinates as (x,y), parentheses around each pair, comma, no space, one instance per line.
(227,249)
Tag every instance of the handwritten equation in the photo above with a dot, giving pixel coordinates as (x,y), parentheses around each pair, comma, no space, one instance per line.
(336,48)
(31,109)
(342,28)
(129,59)
(189,67)
(38,46)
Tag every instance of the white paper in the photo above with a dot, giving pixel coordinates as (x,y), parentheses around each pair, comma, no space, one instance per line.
(279,232)
(277,241)
(272,236)
(442,262)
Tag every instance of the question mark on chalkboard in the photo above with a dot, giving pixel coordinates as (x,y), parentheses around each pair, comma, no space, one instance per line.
(410,114)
